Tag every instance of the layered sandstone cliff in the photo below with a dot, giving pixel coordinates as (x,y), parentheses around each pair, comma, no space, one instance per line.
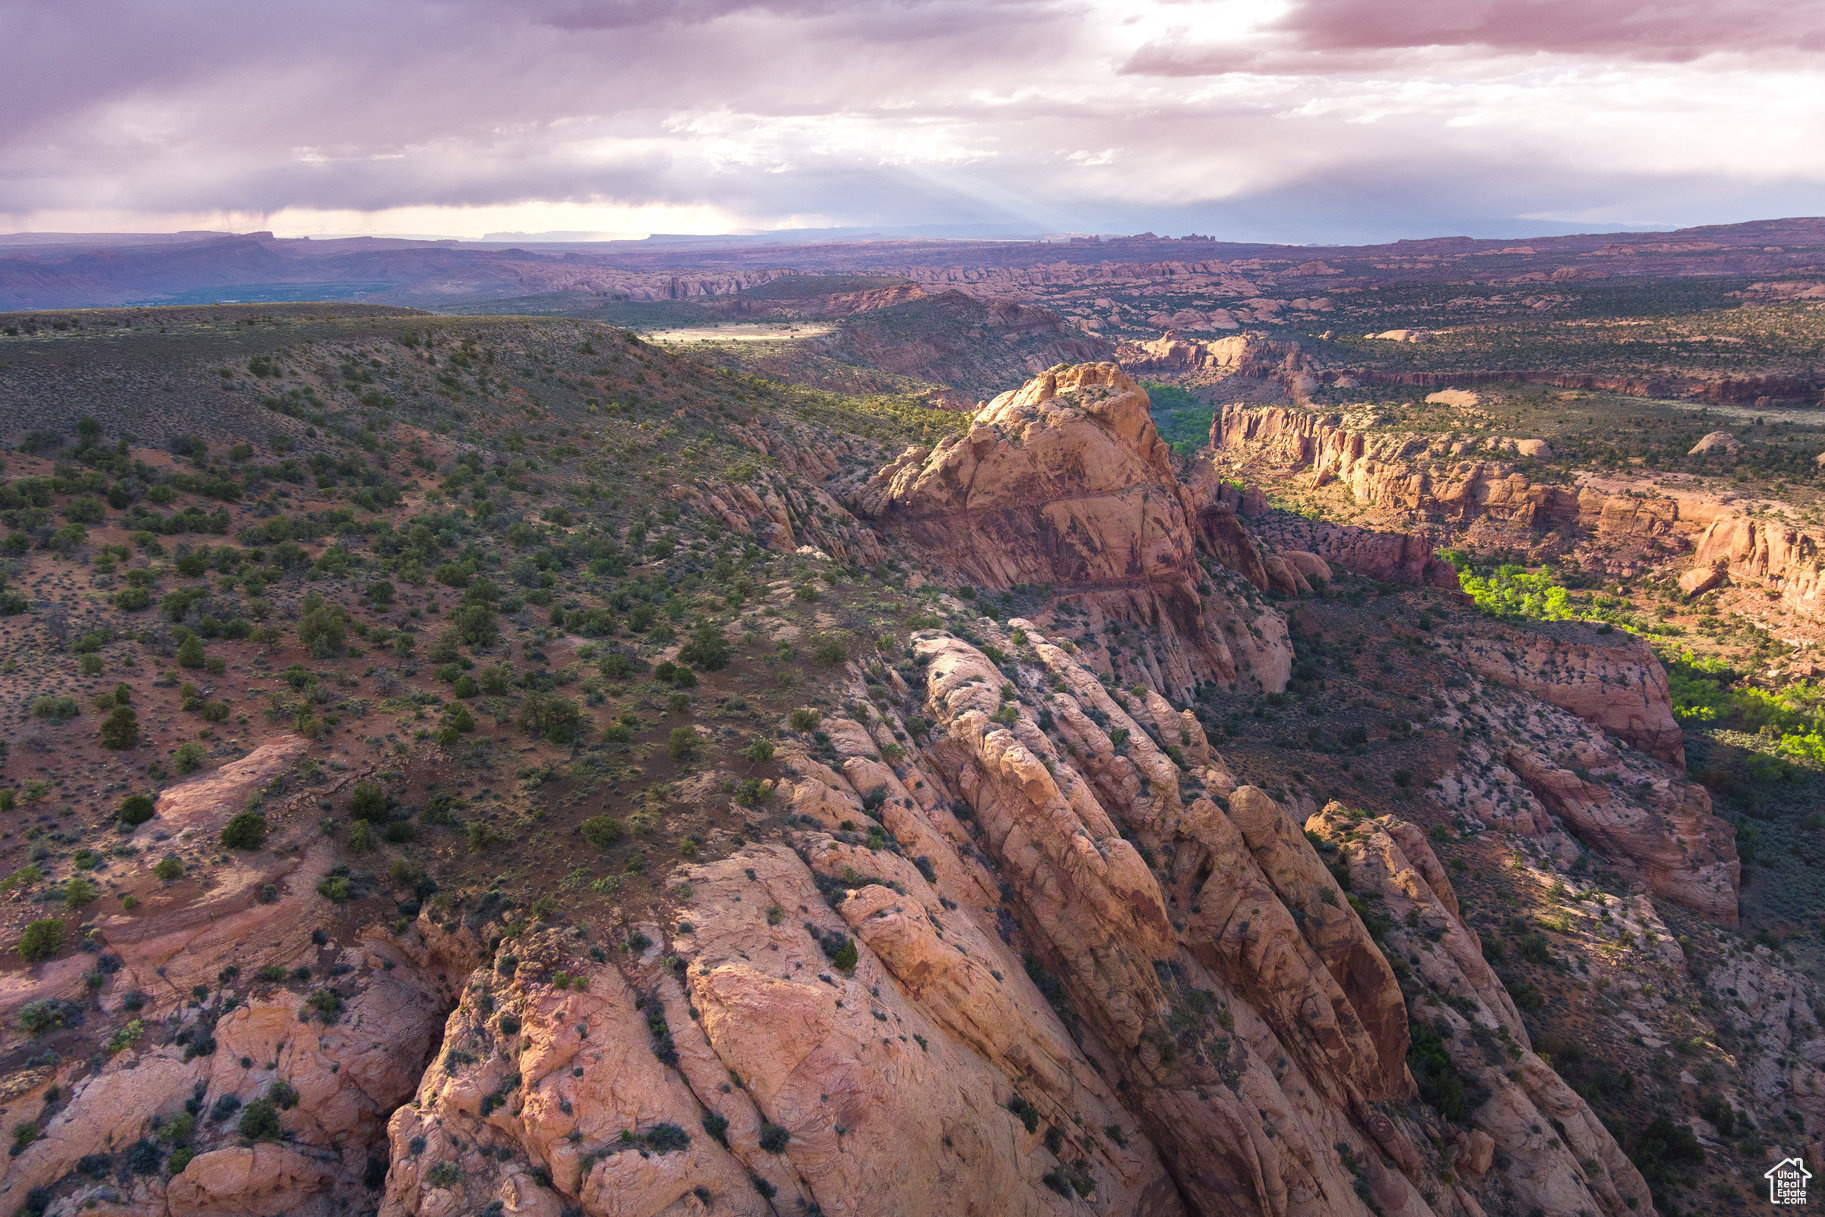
(1438,479)
(1547,773)
(1065,483)
(1613,681)
(1768,552)
(1250,355)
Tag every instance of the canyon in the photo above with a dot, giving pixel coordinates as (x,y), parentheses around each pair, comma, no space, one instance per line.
(1002,928)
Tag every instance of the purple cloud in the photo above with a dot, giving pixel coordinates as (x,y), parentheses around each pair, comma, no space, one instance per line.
(1054,114)
(1352,35)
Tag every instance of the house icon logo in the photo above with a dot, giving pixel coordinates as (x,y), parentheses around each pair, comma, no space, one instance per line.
(1787,1181)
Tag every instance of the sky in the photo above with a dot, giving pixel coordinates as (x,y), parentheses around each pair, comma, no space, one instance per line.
(1321,121)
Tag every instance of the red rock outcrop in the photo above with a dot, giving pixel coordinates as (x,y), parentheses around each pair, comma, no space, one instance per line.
(1251,355)
(346,1079)
(1427,478)
(1556,1153)
(1065,482)
(784,517)
(1536,771)
(1767,552)
(1613,681)
(1085,972)
(1682,850)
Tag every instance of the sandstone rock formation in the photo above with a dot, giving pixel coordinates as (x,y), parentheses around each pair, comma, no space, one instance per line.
(1065,482)
(1056,960)
(345,1078)
(1715,441)
(1613,681)
(1536,771)
(1391,557)
(784,516)
(1417,477)
(1251,355)
(1556,1154)
(1766,552)
(1406,479)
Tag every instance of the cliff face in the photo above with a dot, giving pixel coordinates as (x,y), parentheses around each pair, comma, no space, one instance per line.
(1582,1169)
(1028,969)
(1547,773)
(1251,355)
(1443,481)
(1767,552)
(1436,480)
(1065,482)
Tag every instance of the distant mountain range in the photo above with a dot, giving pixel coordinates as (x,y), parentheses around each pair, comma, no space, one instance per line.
(67,270)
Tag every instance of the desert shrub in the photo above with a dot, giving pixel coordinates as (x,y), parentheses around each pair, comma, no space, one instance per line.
(40,939)
(135,809)
(56,708)
(667,1138)
(804,719)
(676,675)
(841,950)
(1439,1082)
(368,801)
(190,653)
(773,1138)
(78,892)
(758,751)
(551,715)
(189,757)
(260,1121)
(1719,1112)
(168,868)
(1662,1145)
(707,648)
(323,631)
(603,831)
(682,744)
(247,830)
(49,1014)
(120,730)
(475,625)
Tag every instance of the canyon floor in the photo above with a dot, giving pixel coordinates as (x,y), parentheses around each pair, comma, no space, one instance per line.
(952,758)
